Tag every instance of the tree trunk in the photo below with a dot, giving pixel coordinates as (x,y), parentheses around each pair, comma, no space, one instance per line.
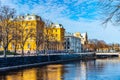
(15,50)
(37,52)
(22,51)
(4,52)
(15,47)
(37,48)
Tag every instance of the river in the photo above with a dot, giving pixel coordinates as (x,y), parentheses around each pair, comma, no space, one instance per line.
(99,69)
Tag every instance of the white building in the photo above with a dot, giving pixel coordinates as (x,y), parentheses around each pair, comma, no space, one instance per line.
(83,37)
(72,43)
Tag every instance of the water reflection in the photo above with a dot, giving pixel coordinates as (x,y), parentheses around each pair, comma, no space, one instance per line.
(100,69)
(28,74)
(50,72)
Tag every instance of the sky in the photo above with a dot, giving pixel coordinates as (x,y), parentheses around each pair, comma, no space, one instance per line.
(75,15)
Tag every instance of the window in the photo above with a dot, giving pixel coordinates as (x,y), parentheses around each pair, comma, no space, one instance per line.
(29,24)
(68,39)
(29,18)
(31,30)
(26,30)
(18,46)
(29,46)
(68,43)
(31,37)
(13,46)
(32,24)
(56,35)
(68,47)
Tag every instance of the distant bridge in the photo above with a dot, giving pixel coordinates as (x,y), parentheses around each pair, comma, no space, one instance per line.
(117,54)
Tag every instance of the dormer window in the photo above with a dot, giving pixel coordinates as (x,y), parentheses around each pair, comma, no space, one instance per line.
(29,18)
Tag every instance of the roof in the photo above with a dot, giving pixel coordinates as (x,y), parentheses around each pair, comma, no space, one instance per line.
(84,34)
(56,25)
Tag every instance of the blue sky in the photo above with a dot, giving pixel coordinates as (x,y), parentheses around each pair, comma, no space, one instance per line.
(75,15)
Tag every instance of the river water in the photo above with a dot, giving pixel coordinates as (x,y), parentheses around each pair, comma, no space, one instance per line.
(100,69)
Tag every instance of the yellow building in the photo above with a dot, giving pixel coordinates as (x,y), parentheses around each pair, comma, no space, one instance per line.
(54,37)
(30,34)
(30,28)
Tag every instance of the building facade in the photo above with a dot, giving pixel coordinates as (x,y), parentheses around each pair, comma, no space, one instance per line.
(28,30)
(72,43)
(54,37)
(84,39)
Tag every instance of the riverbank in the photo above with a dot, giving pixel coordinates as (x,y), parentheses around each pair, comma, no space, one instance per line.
(11,63)
(4,69)
(17,62)
(99,69)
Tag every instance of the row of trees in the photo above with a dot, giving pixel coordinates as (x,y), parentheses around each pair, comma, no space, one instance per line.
(115,47)
(16,31)
(100,45)
(6,26)
(95,45)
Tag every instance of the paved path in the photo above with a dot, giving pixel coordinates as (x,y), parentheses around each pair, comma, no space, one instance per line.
(87,53)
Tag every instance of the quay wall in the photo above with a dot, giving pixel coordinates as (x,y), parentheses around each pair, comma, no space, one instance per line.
(19,61)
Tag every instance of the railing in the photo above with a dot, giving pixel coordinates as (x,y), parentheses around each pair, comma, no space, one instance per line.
(107,53)
(87,53)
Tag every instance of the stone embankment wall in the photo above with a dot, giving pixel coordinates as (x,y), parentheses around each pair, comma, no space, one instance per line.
(26,61)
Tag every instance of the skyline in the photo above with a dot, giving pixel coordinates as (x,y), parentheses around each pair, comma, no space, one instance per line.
(82,14)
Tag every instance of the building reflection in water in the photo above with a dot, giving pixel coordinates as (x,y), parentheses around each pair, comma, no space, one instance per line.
(28,74)
(83,72)
(50,72)
(75,71)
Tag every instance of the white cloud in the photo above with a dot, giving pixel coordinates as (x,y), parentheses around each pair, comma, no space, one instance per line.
(60,12)
(94,28)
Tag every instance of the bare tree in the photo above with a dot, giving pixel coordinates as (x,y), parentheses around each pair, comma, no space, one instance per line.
(15,34)
(49,39)
(111,10)
(25,33)
(47,34)
(6,14)
(95,44)
(91,47)
(39,36)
